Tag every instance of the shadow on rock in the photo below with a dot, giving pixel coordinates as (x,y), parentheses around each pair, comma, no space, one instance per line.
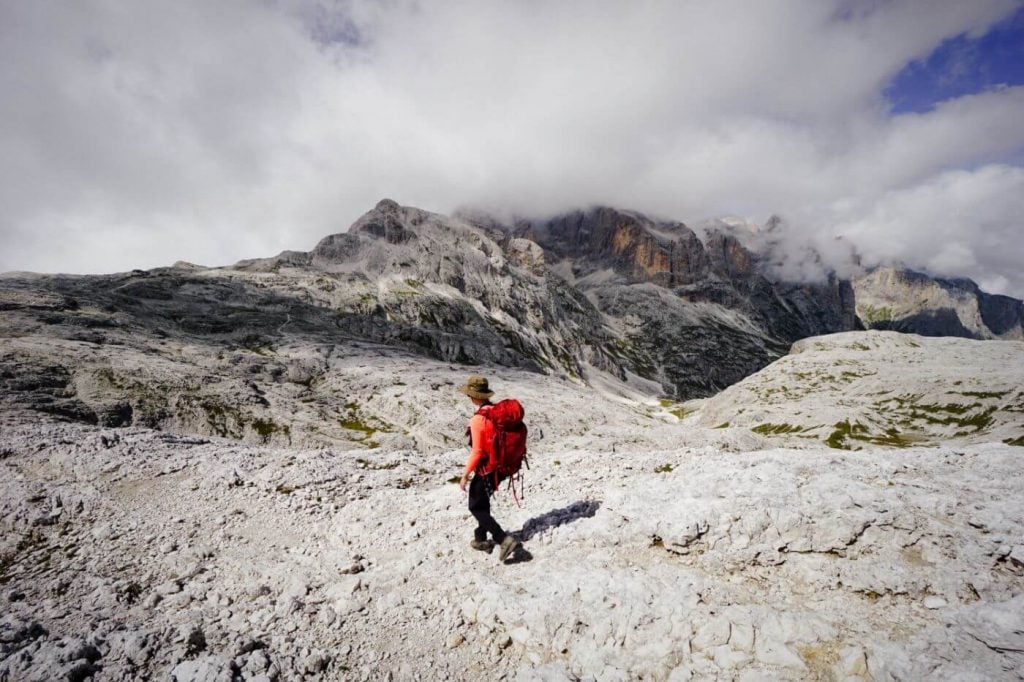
(583,509)
(520,556)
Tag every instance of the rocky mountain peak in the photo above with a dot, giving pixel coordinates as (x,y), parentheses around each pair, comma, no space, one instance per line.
(634,246)
(906,300)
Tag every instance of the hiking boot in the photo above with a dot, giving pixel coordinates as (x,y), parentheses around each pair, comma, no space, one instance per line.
(508,546)
(482,545)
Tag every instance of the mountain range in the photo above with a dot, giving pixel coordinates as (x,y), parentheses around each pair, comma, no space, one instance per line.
(604,297)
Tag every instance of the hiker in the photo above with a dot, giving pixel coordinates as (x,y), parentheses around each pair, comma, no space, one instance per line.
(479,466)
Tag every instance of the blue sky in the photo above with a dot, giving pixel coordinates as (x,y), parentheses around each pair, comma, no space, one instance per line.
(962,65)
(215,131)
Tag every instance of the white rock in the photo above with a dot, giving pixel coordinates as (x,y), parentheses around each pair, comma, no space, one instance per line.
(169,587)
(681,673)
(741,636)
(204,669)
(136,649)
(314,663)
(726,657)
(852,662)
(714,632)
(102,532)
(775,652)
(520,636)
(934,602)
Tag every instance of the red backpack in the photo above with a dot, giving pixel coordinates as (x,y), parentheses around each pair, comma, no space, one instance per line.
(507,450)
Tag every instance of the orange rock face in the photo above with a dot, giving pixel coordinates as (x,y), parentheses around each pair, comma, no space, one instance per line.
(643,251)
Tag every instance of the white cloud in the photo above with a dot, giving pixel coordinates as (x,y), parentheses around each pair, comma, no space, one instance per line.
(959,223)
(133,135)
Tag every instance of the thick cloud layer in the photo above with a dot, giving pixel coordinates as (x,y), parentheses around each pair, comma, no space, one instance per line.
(137,134)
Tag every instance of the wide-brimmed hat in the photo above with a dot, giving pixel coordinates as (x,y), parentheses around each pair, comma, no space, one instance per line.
(476,387)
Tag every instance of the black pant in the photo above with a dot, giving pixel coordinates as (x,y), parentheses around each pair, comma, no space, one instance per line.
(480,490)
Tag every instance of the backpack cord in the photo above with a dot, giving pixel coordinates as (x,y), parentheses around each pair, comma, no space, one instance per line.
(522,487)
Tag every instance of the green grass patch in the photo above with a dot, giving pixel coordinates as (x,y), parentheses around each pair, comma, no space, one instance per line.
(675,409)
(985,394)
(776,429)
(844,432)
(977,421)
(266,428)
(366,427)
(837,439)
(357,425)
(663,468)
(875,314)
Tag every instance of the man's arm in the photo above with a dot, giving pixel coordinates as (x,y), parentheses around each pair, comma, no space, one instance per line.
(476,455)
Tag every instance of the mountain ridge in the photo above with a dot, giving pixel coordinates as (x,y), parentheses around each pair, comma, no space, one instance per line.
(604,297)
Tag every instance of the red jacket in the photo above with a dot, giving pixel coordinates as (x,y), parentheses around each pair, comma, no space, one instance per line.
(481,439)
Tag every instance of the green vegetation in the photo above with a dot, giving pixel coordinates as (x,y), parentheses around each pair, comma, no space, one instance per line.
(357,425)
(663,468)
(267,428)
(368,427)
(723,425)
(985,394)
(875,314)
(777,429)
(1019,441)
(845,432)
(675,409)
(225,421)
(947,415)
(838,438)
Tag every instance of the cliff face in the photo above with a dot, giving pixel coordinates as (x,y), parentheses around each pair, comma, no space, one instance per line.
(639,249)
(695,315)
(908,301)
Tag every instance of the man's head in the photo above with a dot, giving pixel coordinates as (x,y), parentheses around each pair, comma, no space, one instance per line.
(476,388)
